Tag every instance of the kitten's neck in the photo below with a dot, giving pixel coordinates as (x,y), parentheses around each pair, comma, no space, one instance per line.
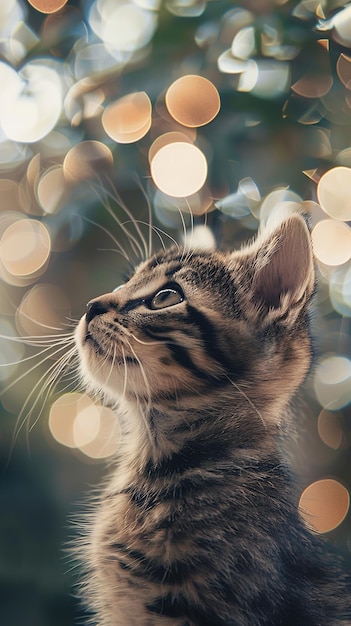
(187,437)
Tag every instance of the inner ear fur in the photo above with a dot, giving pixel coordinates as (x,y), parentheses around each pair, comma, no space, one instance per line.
(281,270)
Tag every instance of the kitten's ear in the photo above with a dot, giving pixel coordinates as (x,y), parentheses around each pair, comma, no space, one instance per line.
(281,270)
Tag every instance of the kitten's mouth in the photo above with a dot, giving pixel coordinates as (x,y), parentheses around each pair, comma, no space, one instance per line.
(113,358)
(86,338)
(91,340)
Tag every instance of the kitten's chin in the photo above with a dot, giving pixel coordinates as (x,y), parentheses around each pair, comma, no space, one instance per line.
(97,375)
(99,380)
(80,336)
(80,332)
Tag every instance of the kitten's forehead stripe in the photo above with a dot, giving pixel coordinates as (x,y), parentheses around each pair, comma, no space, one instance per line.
(198,268)
(151,284)
(173,270)
(148,289)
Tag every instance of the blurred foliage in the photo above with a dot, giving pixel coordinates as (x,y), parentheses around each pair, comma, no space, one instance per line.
(282,70)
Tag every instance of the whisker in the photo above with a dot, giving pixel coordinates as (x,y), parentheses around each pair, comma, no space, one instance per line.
(134,244)
(120,250)
(113,360)
(74,379)
(158,232)
(136,247)
(147,343)
(50,382)
(187,249)
(125,372)
(115,196)
(39,340)
(185,234)
(36,321)
(54,370)
(148,406)
(150,224)
(191,218)
(253,406)
(40,324)
(27,372)
(72,322)
(28,358)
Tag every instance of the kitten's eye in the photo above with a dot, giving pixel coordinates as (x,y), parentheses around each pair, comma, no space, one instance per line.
(165,298)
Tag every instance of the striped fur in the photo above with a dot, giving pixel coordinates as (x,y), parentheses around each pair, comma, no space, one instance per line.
(199,523)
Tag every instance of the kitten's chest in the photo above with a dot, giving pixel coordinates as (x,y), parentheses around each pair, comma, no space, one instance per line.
(145,519)
(168,542)
(168,521)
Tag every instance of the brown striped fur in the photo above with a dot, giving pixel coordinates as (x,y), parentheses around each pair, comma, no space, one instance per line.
(199,523)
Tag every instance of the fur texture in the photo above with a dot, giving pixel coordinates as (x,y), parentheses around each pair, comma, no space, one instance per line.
(201,352)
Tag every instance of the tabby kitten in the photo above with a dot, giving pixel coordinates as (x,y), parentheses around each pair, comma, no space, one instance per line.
(202,352)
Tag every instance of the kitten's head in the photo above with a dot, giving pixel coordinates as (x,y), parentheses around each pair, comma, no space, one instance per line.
(191,322)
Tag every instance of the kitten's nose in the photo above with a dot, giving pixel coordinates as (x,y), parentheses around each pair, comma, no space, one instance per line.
(94,308)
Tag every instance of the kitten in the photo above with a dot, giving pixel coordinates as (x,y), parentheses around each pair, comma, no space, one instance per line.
(202,352)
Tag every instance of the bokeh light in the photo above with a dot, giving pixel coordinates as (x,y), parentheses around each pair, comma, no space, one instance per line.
(333,192)
(11,352)
(332,242)
(86,425)
(61,27)
(48,6)
(279,198)
(330,428)
(165,139)
(319,82)
(51,189)
(265,79)
(244,44)
(128,119)
(31,101)
(174,212)
(343,68)
(9,200)
(340,290)
(44,309)
(342,25)
(123,26)
(199,238)
(324,504)
(179,169)
(87,160)
(76,421)
(332,382)
(63,413)
(245,200)
(192,100)
(190,8)
(228,65)
(25,247)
